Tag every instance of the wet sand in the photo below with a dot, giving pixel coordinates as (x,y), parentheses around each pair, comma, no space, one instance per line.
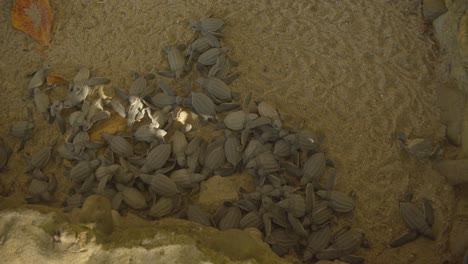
(357,72)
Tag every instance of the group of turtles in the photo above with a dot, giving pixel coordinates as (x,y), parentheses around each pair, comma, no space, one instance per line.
(157,165)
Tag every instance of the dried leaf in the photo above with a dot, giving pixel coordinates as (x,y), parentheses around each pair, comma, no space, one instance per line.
(34,17)
(112,125)
(53,78)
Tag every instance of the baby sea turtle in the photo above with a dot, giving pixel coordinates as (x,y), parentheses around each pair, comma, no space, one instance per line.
(5,153)
(23,129)
(176,61)
(418,222)
(420,148)
(209,26)
(37,80)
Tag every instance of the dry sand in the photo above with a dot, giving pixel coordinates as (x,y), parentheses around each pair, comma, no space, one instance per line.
(358,71)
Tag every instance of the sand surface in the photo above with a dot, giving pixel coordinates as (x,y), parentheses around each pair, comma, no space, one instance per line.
(358,71)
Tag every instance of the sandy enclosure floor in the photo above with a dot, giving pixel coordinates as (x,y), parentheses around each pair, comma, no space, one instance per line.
(358,71)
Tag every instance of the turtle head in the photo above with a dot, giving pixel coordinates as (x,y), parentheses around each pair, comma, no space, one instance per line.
(196,26)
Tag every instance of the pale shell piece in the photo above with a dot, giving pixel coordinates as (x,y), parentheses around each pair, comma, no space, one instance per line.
(231,219)
(149,133)
(134,198)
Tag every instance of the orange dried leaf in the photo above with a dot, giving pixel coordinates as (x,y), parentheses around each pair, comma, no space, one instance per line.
(52,79)
(114,124)
(34,17)
(42,50)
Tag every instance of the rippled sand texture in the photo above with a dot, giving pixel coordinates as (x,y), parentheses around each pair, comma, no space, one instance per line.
(358,71)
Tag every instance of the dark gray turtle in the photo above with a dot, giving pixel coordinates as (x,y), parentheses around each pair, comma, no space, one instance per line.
(40,158)
(216,88)
(211,56)
(203,106)
(42,102)
(418,222)
(202,44)
(176,61)
(5,153)
(419,147)
(345,242)
(118,145)
(23,129)
(41,190)
(56,115)
(37,80)
(208,24)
